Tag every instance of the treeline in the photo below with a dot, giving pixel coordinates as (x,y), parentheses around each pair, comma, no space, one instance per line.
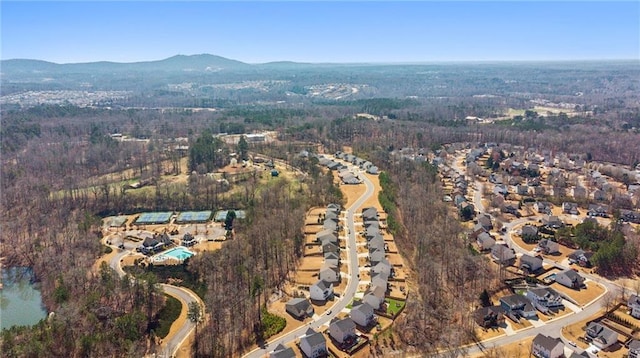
(448,276)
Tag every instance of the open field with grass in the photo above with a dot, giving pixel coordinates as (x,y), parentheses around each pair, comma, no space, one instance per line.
(582,296)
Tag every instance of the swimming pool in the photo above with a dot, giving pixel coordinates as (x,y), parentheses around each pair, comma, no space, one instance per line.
(179,253)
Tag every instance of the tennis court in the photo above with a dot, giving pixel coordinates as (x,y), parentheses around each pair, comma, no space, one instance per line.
(193,217)
(161,217)
(221,215)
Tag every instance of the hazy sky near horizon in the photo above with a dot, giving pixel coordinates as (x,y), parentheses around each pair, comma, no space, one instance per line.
(255,32)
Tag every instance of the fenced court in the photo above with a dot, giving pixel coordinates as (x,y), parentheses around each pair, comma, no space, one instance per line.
(154,218)
(193,217)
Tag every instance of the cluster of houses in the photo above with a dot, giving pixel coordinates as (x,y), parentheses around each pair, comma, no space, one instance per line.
(381,269)
(329,273)
(359,162)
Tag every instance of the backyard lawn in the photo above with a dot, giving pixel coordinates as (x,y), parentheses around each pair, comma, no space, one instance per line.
(394,306)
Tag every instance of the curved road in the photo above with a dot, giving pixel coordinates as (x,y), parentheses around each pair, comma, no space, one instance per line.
(551,328)
(184,295)
(347,296)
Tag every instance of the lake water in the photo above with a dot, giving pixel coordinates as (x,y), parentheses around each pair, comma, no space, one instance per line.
(20,300)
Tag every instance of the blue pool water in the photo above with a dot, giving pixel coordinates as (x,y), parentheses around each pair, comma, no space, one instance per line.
(178,253)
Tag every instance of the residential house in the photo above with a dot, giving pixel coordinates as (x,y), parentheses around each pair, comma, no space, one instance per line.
(282,352)
(477,230)
(326,235)
(487,317)
(379,280)
(383,268)
(547,347)
(330,247)
(581,257)
(362,314)
(579,192)
(503,255)
(630,216)
(375,257)
(522,189)
(529,231)
(600,210)
(485,221)
(570,208)
(549,247)
(599,195)
(321,291)
(600,335)
(511,207)
(500,189)
(485,241)
(516,306)
(545,299)
(634,349)
(332,259)
(373,170)
(313,344)
(329,273)
(634,305)
(343,330)
(570,278)
(552,221)
(299,308)
(542,207)
(374,296)
(539,191)
(530,264)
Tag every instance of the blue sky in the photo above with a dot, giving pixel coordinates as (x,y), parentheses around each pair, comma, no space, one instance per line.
(324,31)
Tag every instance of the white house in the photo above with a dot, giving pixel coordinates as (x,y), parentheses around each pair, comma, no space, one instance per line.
(342,329)
(545,298)
(362,314)
(570,278)
(634,305)
(547,347)
(321,291)
(313,344)
(282,352)
(634,349)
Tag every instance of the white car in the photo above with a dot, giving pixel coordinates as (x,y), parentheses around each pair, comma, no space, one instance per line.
(572,343)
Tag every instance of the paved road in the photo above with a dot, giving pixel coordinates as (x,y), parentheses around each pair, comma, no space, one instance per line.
(551,328)
(184,295)
(345,298)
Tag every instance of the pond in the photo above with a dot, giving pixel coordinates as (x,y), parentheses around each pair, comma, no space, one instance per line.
(20,299)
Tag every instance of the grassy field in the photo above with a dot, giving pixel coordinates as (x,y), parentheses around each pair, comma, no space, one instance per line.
(394,306)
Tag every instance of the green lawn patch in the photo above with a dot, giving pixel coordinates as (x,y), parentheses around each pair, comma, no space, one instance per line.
(272,324)
(394,306)
(166,316)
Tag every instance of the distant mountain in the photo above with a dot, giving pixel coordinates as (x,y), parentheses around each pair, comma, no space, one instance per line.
(178,63)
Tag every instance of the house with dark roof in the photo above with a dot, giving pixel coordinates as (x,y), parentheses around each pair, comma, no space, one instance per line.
(545,299)
(282,352)
(570,208)
(477,230)
(488,317)
(313,344)
(529,231)
(321,291)
(485,221)
(600,335)
(580,257)
(549,247)
(330,247)
(299,308)
(634,305)
(570,278)
(547,347)
(516,306)
(634,349)
(503,255)
(600,210)
(343,330)
(552,221)
(543,207)
(530,264)
(188,240)
(362,314)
